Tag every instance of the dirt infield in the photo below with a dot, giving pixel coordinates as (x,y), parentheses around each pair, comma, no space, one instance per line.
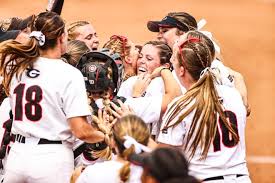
(244,29)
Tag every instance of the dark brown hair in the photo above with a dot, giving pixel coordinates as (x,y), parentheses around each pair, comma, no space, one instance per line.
(186,19)
(165,52)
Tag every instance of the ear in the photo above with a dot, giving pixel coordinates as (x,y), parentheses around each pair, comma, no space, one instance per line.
(128,60)
(168,65)
(62,38)
(182,71)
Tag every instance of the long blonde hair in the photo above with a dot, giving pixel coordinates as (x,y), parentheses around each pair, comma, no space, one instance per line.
(202,98)
(134,127)
(17,57)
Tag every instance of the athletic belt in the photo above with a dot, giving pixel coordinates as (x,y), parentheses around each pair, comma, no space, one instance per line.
(79,150)
(22,139)
(220,177)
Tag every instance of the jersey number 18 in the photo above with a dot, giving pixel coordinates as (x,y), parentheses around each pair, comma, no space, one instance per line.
(32,108)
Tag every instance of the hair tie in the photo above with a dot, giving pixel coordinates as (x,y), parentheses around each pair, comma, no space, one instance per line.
(39,36)
(138,147)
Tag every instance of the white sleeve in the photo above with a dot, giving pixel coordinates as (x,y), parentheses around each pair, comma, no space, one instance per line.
(147,108)
(75,101)
(173,136)
(84,176)
(225,77)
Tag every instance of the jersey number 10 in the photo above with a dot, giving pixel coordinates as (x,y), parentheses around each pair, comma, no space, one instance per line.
(227,139)
(32,108)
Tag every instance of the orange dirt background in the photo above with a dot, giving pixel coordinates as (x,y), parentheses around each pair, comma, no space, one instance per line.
(243,28)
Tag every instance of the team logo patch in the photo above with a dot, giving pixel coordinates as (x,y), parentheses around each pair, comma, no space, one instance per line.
(33,73)
(92,68)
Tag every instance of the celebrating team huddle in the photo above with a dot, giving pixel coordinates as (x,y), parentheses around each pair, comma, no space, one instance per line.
(165,111)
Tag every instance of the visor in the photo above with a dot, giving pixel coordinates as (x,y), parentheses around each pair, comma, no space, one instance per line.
(167,21)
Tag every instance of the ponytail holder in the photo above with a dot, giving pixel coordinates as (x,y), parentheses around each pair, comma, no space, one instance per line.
(204,71)
(39,36)
(138,147)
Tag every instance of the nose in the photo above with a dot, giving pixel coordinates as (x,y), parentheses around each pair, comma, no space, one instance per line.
(159,36)
(96,39)
(141,61)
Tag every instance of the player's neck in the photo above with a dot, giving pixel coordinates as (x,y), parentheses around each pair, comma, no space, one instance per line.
(51,53)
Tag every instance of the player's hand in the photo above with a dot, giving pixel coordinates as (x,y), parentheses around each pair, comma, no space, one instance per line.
(121,110)
(76,174)
(103,121)
(157,72)
(141,85)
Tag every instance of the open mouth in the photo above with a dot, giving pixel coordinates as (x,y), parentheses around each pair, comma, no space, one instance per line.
(141,69)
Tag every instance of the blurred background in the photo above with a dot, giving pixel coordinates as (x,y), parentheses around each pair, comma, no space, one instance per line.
(244,30)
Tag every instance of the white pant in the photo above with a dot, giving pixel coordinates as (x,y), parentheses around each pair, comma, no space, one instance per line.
(231,179)
(45,163)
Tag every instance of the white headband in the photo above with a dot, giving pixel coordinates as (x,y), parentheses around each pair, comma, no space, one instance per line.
(201,24)
(39,36)
(138,147)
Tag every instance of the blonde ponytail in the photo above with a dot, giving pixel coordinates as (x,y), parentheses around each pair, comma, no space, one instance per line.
(124,172)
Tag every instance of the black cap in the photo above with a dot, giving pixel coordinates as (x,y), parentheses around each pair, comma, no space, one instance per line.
(7,35)
(162,163)
(167,21)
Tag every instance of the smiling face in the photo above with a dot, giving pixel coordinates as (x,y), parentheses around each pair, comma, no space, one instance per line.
(148,59)
(87,34)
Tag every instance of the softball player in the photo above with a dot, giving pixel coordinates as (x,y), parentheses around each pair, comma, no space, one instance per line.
(208,121)
(84,31)
(130,135)
(48,109)
(5,135)
(128,52)
(102,78)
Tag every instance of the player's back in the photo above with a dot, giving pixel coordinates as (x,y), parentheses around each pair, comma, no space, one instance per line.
(224,157)
(42,99)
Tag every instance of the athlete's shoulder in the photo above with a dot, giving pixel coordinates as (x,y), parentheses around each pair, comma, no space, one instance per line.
(130,80)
